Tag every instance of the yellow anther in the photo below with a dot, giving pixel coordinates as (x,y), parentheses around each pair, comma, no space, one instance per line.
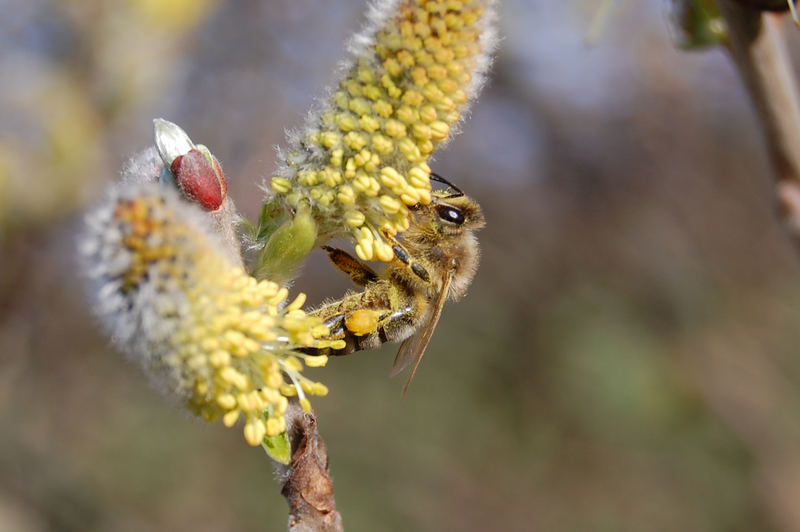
(450,86)
(316,361)
(329,139)
(293,363)
(437,72)
(369,123)
(353,87)
(350,168)
(372,92)
(382,144)
(427,114)
(445,56)
(423,58)
(280,185)
(393,67)
(346,195)
(460,51)
(355,141)
(246,402)
(305,404)
(338,344)
(354,218)
(365,75)
(394,128)
(254,431)
(318,331)
(409,198)
(453,21)
(424,196)
(405,58)
(419,75)
(421,131)
(230,418)
(389,204)
(318,388)
(383,250)
(298,302)
(226,401)
(270,395)
(288,390)
(419,177)
(433,93)
(409,149)
(336,157)
(374,187)
(406,28)
(219,358)
(330,177)
(341,100)
(275,425)
(407,114)
(282,404)
(422,29)
(382,108)
(391,177)
(372,163)
(361,182)
(232,376)
(279,296)
(413,98)
(307,178)
(439,130)
(359,106)
(346,121)
(362,157)
(364,250)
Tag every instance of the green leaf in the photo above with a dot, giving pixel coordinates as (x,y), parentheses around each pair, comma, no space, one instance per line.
(287,248)
(698,24)
(278,448)
(272,214)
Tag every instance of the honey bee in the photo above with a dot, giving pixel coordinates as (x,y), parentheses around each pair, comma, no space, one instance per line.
(434,260)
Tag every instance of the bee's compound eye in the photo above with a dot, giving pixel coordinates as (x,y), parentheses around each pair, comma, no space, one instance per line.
(450,214)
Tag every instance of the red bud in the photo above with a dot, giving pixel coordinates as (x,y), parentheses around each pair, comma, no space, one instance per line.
(200,181)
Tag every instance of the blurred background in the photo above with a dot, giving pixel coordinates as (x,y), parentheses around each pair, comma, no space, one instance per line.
(626,359)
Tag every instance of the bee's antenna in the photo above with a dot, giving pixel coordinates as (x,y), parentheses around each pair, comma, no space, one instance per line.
(457,191)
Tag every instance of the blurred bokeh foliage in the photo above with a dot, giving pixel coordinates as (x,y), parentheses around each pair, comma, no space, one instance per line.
(626,359)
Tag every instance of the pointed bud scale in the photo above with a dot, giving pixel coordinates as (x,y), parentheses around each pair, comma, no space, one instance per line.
(199,180)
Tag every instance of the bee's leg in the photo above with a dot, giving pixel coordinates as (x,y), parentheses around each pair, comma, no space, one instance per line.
(364,329)
(361,274)
(383,313)
(404,257)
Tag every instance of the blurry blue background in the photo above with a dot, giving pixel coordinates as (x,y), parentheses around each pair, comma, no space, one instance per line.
(626,359)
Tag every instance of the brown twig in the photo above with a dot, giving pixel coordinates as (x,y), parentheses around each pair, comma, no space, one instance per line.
(306,481)
(766,5)
(759,52)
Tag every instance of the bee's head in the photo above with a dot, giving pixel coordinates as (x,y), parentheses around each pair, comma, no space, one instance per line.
(455,211)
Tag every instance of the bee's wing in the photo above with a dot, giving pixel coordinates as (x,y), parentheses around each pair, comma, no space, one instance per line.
(412,349)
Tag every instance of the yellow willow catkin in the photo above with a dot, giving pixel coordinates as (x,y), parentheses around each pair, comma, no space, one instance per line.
(361,161)
(204,329)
